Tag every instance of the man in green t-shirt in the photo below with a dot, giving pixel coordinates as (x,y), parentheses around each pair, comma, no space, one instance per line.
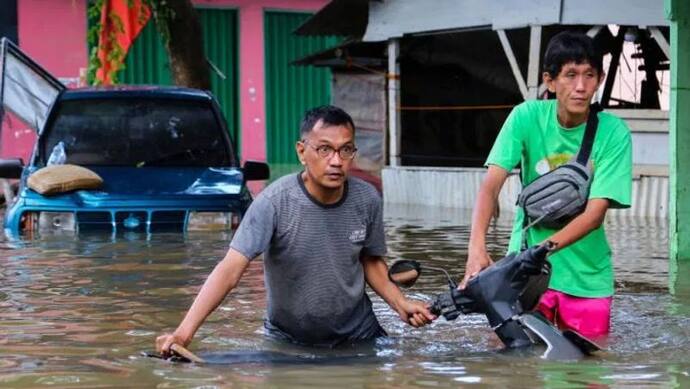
(540,135)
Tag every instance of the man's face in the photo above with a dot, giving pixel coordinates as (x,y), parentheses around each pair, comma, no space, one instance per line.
(574,87)
(327,171)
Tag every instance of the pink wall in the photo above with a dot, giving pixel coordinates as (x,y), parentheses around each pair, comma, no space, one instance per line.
(53,32)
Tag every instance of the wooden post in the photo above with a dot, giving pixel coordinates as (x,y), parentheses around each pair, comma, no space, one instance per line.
(522,86)
(533,66)
(613,66)
(678,12)
(394,131)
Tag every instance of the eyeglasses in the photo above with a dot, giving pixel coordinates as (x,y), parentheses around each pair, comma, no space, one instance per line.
(346,152)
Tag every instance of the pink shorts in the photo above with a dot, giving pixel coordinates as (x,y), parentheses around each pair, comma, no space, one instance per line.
(591,317)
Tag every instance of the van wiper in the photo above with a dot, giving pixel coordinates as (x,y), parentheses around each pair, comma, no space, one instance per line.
(187,155)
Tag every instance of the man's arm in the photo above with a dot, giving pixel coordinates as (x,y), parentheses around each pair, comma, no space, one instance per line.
(415,313)
(219,283)
(487,200)
(583,224)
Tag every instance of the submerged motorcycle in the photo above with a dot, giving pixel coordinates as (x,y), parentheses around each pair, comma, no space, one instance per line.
(504,292)
(501,292)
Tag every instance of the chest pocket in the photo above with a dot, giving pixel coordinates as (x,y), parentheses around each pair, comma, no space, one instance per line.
(356,238)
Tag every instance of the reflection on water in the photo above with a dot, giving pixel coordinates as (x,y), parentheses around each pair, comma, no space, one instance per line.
(78,312)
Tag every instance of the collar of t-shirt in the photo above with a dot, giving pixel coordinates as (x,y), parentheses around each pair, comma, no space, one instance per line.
(300,181)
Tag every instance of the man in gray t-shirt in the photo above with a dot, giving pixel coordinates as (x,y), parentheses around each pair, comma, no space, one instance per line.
(322,237)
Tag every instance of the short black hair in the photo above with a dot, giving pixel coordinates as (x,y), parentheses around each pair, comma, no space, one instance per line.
(569,46)
(329,114)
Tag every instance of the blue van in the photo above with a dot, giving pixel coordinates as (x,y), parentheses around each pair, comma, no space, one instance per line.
(164,153)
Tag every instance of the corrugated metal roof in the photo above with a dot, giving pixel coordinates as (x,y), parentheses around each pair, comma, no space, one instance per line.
(390,19)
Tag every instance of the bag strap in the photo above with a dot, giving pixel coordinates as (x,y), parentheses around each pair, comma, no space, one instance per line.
(590,131)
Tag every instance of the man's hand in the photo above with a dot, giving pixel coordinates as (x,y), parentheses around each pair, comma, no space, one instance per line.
(165,341)
(415,313)
(219,283)
(477,260)
(487,201)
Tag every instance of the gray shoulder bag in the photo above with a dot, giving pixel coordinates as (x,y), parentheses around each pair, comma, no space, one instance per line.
(555,198)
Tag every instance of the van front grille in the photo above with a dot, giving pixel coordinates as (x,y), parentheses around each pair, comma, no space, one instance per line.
(94,221)
(137,221)
(166,221)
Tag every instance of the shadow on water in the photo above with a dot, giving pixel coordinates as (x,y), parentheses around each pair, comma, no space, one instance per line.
(78,311)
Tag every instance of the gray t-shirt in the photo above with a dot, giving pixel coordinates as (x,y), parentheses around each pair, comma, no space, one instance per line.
(314,277)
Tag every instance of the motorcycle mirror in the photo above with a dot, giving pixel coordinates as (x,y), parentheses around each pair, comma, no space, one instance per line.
(405,272)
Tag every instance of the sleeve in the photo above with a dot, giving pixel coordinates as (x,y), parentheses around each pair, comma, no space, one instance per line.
(507,149)
(254,234)
(613,171)
(375,243)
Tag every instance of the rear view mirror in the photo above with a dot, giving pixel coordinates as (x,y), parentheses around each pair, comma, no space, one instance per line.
(254,171)
(11,168)
(404,273)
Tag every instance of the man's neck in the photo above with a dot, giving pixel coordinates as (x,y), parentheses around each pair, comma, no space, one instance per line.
(569,120)
(321,194)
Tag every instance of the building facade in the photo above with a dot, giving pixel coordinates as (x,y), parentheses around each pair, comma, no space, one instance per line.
(249,44)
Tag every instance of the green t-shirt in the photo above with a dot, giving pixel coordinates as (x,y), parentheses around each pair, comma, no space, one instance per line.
(533,138)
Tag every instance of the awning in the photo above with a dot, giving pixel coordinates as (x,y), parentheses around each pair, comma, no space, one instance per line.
(339,17)
(393,19)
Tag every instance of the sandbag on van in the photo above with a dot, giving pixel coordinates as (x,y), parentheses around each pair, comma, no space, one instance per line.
(57,179)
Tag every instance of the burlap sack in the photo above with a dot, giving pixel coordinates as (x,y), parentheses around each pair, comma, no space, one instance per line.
(63,178)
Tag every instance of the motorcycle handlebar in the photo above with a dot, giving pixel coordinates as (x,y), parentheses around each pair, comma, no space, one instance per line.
(454,302)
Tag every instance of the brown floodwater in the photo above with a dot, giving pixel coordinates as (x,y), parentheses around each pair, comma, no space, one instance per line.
(78,311)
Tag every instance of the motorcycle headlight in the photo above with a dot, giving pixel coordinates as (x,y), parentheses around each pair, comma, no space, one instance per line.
(212,221)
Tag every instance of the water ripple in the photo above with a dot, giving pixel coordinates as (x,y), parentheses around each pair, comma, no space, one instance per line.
(79,311)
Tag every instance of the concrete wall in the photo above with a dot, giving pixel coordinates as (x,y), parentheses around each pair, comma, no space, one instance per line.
(458,188)
(649,128)
(442,187)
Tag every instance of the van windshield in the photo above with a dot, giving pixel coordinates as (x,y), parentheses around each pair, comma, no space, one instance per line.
(138,132)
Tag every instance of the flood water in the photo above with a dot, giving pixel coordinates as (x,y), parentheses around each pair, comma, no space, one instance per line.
(79,312)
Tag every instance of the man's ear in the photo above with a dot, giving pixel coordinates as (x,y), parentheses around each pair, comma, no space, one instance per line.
(549,82)
(299,148)
(602,77)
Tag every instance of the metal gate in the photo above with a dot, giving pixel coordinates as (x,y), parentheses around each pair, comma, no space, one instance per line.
(290,89)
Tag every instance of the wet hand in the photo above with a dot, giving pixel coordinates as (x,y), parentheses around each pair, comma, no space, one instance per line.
(477,260)
(415,313)
(165,341)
